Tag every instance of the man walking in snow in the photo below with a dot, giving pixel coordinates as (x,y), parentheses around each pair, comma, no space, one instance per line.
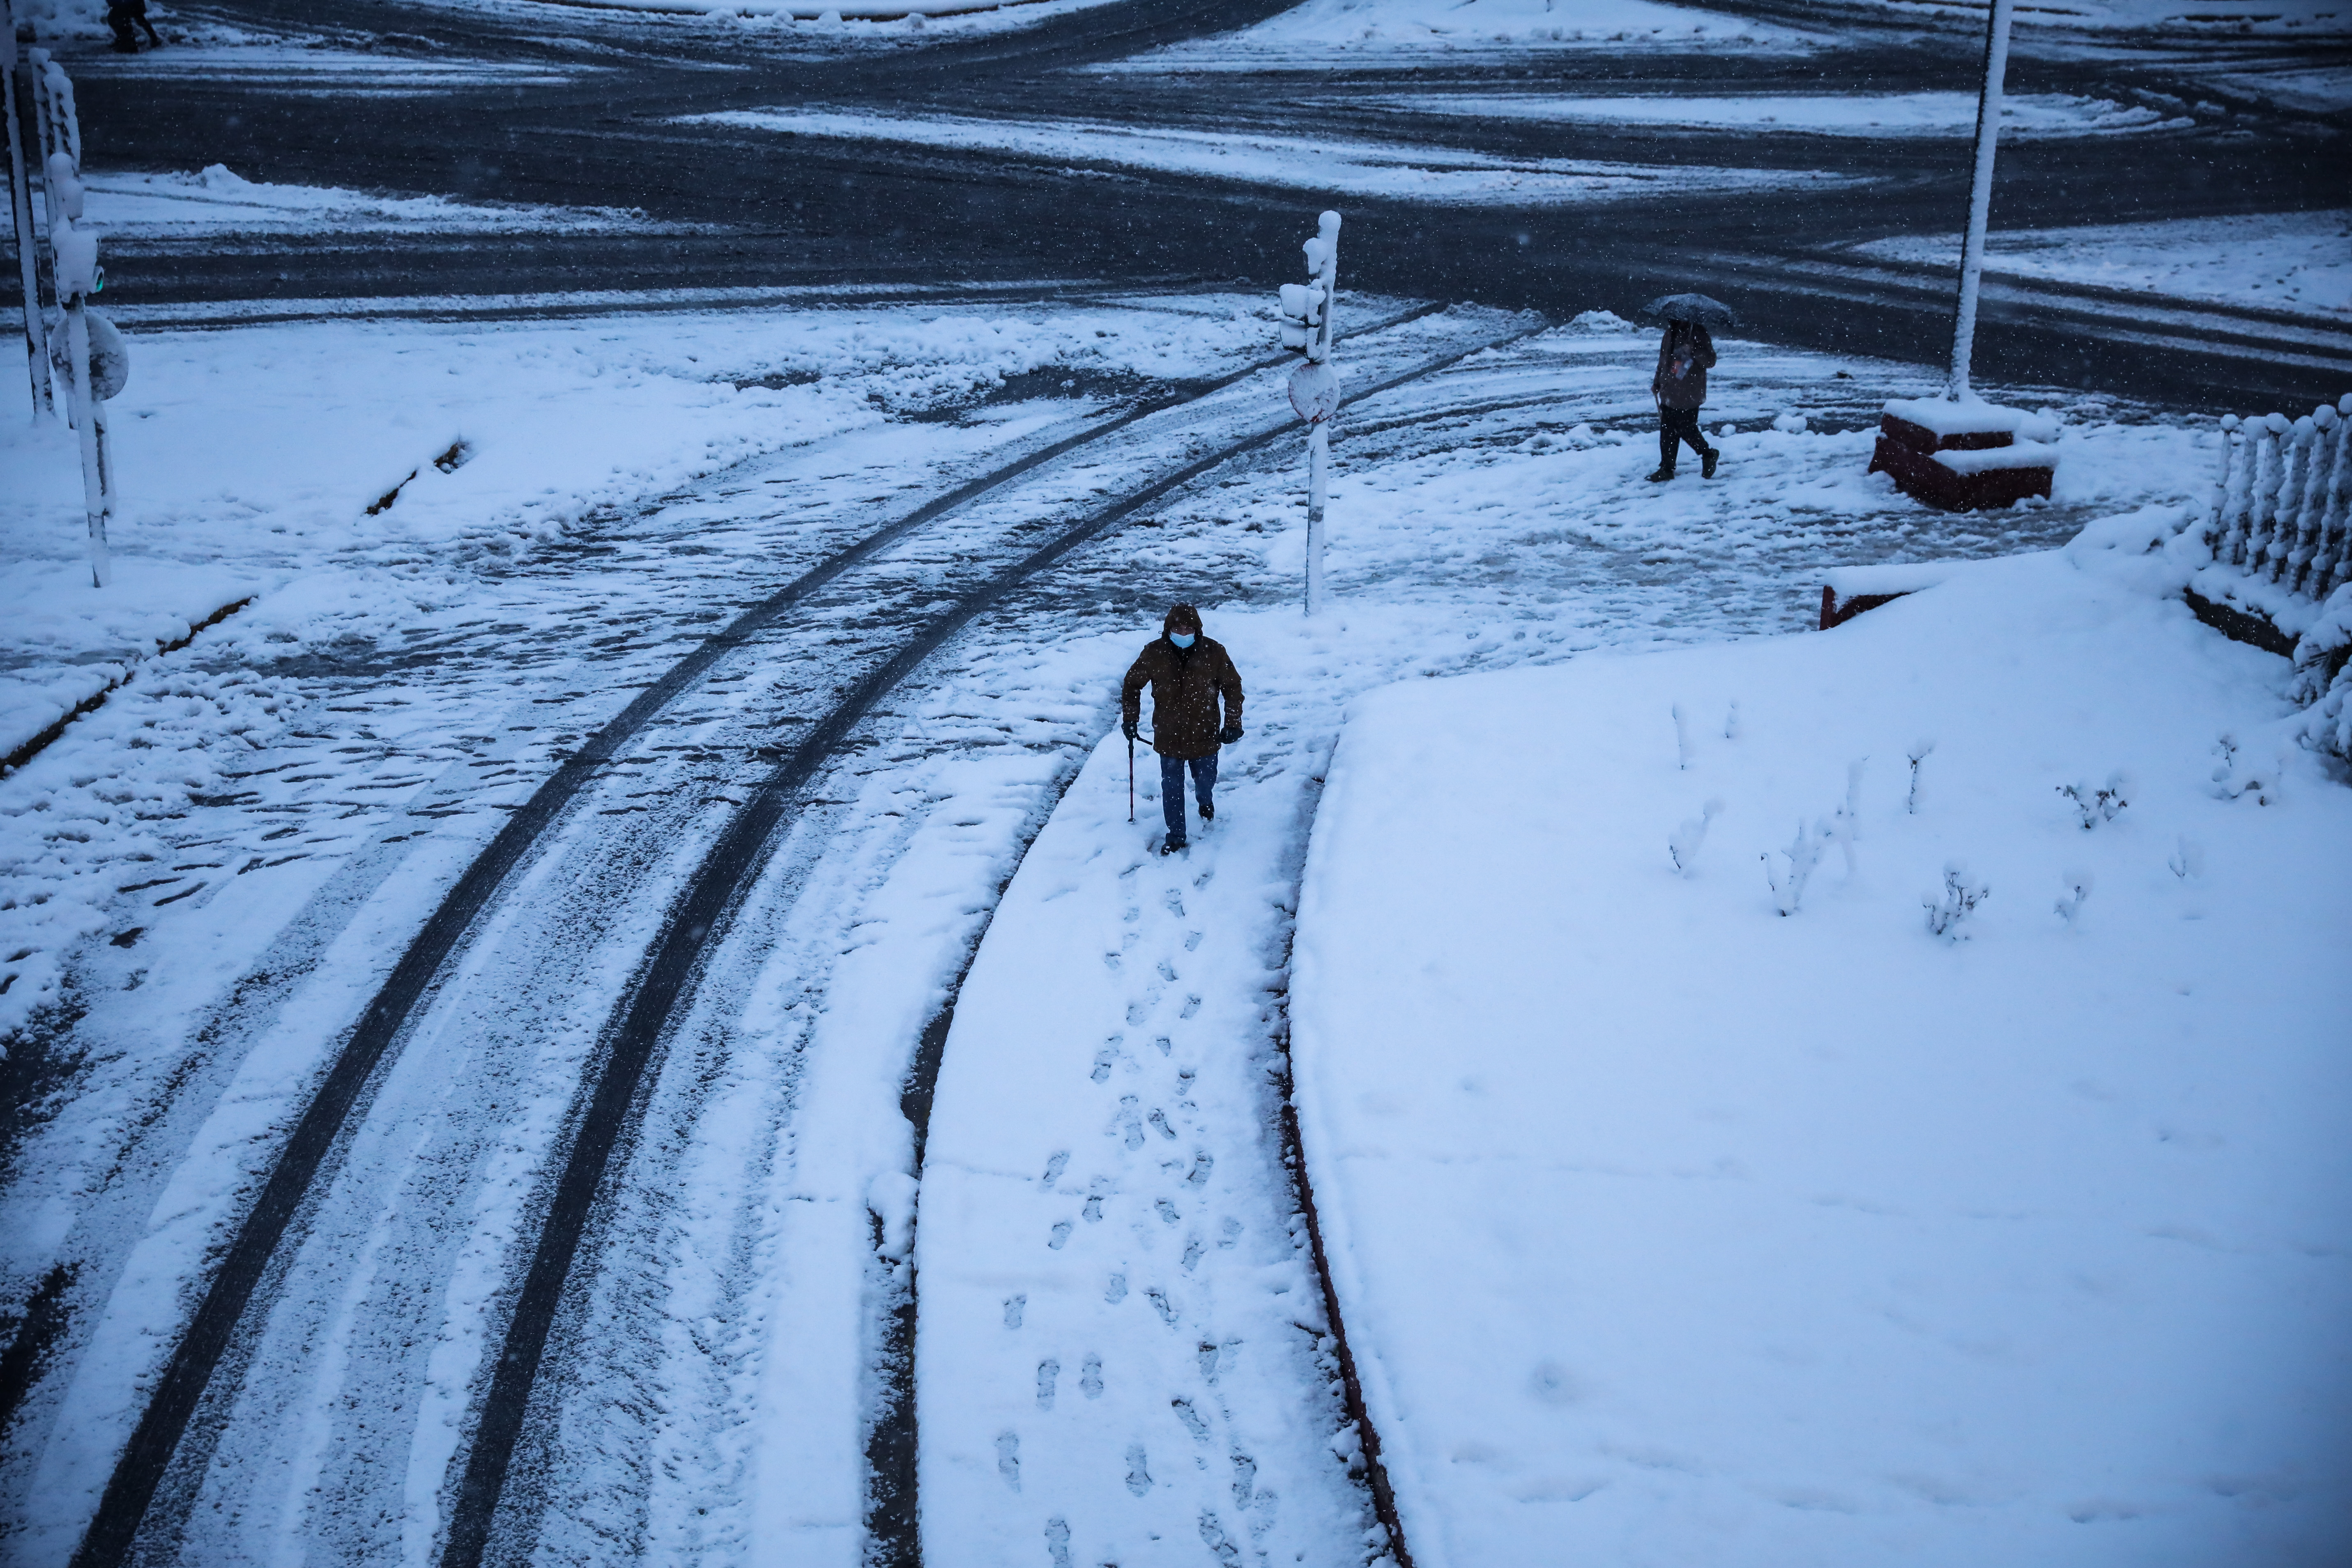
(1685,356)
(1187,673)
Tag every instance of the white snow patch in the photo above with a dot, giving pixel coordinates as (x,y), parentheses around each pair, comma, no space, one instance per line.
(2285,262)
(1860,114)
(1676,1220)
(1339,167)
(217,198)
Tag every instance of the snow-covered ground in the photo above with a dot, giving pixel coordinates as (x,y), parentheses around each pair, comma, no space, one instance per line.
(1689,1209)
(2170,19)
(1448,174)
(214,870)
(2281,261)
(217,199)
(321,72)
(1375,30)
(2025,115)
(252,459)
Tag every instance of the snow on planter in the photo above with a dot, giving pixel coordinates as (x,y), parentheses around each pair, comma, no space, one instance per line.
(1895,1119)
(1963,456)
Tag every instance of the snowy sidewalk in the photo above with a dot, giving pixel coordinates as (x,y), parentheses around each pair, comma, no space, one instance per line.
(1670,1230)
(1118,1318)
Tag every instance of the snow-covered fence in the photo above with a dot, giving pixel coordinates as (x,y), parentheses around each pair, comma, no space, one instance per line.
(2271,565)
(2280,506)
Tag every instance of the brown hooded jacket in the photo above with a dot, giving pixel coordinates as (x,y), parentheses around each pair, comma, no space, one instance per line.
(1185,685)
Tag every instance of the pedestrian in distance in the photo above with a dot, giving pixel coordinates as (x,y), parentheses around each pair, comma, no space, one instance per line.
(122,15)
(1685,356)
(1187,674)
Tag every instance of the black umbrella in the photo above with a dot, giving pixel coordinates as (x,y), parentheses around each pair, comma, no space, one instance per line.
(1696,307)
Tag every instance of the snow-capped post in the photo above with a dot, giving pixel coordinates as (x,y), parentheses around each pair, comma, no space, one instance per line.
(17,104)
(1972,247)
(1957,452)
(79,275)
(1306,327)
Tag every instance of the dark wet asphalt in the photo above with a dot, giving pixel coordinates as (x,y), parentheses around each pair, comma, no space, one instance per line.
(835,213)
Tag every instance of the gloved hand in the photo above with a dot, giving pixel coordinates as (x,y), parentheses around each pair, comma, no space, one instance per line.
(1229,734)
(1128,727)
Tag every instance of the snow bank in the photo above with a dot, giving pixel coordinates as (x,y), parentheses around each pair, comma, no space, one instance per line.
(1333,167)
(126,206)
(2286,261)
(1860,114)
(1689,1209)
(1394,27)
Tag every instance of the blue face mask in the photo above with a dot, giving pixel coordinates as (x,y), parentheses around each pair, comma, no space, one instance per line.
(1181,639)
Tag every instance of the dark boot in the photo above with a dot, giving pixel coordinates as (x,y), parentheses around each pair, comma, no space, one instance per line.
(1706,462)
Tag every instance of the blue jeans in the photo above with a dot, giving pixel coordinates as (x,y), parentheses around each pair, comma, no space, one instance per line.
(1172,788)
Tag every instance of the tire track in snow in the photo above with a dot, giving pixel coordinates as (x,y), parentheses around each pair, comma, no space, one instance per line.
(226,1307)
(694,923)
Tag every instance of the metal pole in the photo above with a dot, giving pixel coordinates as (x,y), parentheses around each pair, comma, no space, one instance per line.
(79,278)
(1972,246)
(1319,436)
(1318,475)
(16,107)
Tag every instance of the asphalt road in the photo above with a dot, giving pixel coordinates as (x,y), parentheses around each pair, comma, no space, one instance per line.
(845,212)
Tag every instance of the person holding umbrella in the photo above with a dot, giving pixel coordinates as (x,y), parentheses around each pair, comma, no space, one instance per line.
(1685,354)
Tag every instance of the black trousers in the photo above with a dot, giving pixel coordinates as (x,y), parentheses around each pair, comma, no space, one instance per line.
(1676,426)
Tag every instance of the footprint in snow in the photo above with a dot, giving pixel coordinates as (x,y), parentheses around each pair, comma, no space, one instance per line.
(1139,1478)
(1162,1043)
(1245,1479)
(1203,1163)
(1192,1005)
(1159,1118)
(1167,1211)
(1094,1196)
(1232,1229)
(1167,970)
(1162,1305)
(1061,1236)
(1104,1058)
(1114,1294)
(1175,902)
(1140,1009)
(1057,1541)
(1090,1381)
(1127,1123)
(1058,1162)
(1191,1418)
(1014,1306)
(1191,941)
(1193,1250)
(1049,1371)
(1008,1459)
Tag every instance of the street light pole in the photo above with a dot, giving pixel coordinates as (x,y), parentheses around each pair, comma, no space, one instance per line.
(1972,247)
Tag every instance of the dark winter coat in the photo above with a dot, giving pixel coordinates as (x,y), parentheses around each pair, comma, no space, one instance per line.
(1185,685)
(1685,356)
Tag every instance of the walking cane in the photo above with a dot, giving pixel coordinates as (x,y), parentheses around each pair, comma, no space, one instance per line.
(1131,778)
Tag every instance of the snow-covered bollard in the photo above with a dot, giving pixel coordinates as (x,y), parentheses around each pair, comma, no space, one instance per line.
(1307,310)
(1960,455)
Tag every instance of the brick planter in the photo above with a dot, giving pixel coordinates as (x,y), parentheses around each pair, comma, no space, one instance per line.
(1960,457)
